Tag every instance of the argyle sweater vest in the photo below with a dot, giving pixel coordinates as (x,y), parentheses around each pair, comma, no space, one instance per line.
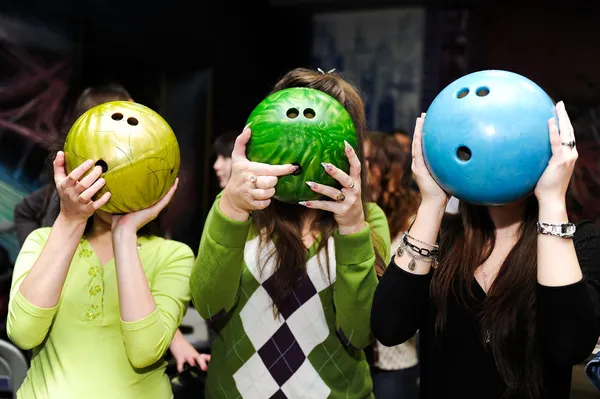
(313,348)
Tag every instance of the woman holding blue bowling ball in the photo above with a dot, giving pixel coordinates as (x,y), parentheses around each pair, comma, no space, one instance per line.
(506,298)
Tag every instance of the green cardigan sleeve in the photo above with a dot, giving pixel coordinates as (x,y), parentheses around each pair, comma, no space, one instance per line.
(147,340)
(356,278)
(216,275)
(27,325)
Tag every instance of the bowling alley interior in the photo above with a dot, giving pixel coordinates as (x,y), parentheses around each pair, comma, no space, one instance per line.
(162,94)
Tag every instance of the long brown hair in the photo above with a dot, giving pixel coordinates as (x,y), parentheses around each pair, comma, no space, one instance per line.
(466,241)
(284,221)
(391,180)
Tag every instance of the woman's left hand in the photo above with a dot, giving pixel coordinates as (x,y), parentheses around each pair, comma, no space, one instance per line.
(347,204)
(552,186)
(136,220)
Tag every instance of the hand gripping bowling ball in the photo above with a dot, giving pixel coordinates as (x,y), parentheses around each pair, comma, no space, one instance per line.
(135,147)
(486,138)
(305,127)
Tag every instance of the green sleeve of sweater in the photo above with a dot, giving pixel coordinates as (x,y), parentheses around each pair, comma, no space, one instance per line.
(216,275)
(356,276)
(27,325)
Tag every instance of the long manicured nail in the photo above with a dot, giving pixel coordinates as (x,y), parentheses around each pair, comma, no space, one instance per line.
(304,203)
(310,184)
(348,146)
(327,166)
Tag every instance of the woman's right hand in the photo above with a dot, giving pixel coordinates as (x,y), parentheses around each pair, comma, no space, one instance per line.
(76,191)
(431,192)
(252,184)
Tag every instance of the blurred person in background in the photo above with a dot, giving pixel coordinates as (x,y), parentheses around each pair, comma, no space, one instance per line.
(394,369)
(222,148)
(403,137)
(41,208)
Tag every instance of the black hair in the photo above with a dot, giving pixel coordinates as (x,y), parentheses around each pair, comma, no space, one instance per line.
(224,143)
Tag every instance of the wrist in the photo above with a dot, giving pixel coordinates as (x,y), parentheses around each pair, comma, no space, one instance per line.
(65,221)
(124,234)
(231,211)
(553,212)
(346,230)
(435,208)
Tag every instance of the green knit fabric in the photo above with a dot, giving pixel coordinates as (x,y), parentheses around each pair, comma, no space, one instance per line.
(314,351)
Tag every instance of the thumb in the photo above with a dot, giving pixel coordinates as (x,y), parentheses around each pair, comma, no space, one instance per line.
(239,149)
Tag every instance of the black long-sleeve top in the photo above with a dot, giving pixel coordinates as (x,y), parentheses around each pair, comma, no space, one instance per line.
(457,364)
(38,209)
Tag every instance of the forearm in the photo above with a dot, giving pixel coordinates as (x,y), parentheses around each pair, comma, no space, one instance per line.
(216,275)
(556,256)
(177,338)
(354,287)
(44,283)
(399,305)
(426,228)
(135,298)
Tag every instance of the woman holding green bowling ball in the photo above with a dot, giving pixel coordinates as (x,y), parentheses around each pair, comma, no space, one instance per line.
(506,298)
(97,297)
(289,286)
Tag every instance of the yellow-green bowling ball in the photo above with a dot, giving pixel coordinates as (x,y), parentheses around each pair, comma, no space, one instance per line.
(135,147)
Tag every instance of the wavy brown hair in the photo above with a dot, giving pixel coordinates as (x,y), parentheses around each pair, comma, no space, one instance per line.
(466,241)
(391,180)
(284,221)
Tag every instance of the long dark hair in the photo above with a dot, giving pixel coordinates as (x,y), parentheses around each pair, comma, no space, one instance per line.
(88,99)
(466,241)
(391,180)
(284,221)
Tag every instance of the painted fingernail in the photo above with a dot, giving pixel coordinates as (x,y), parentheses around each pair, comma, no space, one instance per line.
(348,146)
(304,203)
(294,168)
(310,184)
(326,165)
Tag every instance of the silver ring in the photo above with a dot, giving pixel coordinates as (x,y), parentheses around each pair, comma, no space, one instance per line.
(569,144)
(253,180)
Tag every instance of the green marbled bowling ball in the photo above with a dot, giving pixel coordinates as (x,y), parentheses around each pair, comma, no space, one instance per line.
(301,126)
(135,146)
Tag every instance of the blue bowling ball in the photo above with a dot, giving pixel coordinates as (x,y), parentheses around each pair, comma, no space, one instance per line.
(486,139)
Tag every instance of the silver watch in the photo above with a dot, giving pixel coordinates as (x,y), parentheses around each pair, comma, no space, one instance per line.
(564,230)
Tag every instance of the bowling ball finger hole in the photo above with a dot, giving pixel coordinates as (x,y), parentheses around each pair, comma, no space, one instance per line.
(292,113)
(117,116)
(309,113)
(463,153)
(482,91)
(462,93)
(132,121)
(102,164)
(299,170)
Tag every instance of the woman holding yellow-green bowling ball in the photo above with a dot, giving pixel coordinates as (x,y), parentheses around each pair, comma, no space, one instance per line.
(97,297)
